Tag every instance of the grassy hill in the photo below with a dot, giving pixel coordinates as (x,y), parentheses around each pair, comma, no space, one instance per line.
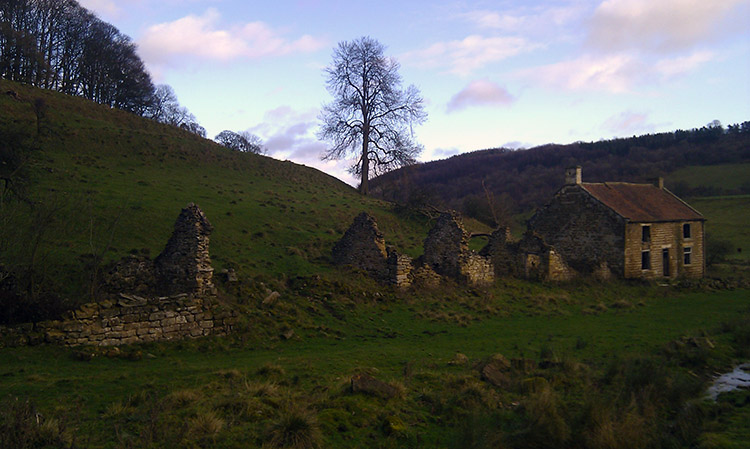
(582,365)
(109,183)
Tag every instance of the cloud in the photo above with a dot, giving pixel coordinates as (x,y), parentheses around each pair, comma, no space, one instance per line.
(467,55)
(525,19)
(615,73)
(670,68)
(200,37)
(442,153)
(661,26)
(480,93)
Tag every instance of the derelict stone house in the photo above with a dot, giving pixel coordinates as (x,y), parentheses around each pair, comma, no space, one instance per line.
(632,230)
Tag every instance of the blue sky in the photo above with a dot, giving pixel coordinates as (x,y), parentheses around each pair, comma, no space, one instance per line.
(493,73)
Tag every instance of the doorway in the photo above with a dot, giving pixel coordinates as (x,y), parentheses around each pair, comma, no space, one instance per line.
(665,261)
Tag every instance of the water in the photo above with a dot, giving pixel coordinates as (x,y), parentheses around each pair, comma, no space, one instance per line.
(739,378)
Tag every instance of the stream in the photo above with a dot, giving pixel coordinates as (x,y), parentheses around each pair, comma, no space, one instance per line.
(739,378)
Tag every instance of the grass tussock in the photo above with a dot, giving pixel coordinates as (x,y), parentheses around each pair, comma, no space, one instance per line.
(294,428)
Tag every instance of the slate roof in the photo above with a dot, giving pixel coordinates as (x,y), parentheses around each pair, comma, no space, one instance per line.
(642,202)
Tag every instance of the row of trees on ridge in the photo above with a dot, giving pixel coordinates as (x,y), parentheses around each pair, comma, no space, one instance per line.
(60,45)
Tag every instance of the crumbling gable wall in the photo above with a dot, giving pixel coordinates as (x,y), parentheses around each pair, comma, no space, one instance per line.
(363,247)
(446,251)
(185,265)
(444,245)
(529,258)
(446,254)
(583,231)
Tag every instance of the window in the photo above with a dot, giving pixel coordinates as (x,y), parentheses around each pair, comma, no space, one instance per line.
(687,252)
(645,260)
(686,231)
(645,234)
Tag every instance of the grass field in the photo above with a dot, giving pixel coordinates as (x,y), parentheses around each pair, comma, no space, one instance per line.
(728,219)
(398,342)
(727,176)
(595,365)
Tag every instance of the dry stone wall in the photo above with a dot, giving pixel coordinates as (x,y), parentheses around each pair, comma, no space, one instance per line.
(363,247)
(172,297)
(129,319)
(446,253)
(185,265)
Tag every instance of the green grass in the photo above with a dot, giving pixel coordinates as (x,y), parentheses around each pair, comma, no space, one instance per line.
(722,176)
(392,339)
(728,219)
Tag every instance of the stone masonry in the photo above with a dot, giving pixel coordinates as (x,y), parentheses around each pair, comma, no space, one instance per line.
(185,265)
(444,245)
(130,319)
(446,251)
(172,297)
(363,247)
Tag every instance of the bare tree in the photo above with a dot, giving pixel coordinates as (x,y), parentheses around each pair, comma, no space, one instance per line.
(242,141)
(371,116)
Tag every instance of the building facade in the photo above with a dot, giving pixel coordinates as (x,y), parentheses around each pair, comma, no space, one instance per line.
(633,230)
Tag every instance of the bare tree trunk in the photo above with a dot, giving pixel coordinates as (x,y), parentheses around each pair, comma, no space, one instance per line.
(365,174)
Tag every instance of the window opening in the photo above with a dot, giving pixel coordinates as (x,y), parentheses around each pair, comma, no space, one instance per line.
(686,231)
(646,234)
(645,260)
(687,253)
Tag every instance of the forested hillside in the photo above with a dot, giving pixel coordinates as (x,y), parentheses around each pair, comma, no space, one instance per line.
(60,45)
(503,182)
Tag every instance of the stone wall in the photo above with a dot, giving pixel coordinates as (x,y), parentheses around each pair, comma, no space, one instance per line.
(363,247)
(185,265)
(444,245)
(135,309)
(582,230)
(129,319)
(400,268)
(446,251)
(476,270)
(665,238)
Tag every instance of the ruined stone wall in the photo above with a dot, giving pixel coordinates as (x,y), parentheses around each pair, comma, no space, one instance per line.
(446,242)
(127,320)
(476,270)
(185,265)
(502,252)
(582,231)
(664,237)
(363,247)
(446,251)
(399,269)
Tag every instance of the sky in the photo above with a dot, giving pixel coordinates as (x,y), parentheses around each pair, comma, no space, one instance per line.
(493,73)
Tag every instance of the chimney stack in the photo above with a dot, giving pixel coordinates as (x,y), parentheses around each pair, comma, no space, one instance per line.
(658,182)
(573,175)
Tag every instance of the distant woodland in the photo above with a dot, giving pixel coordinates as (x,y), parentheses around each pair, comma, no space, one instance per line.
(491,185)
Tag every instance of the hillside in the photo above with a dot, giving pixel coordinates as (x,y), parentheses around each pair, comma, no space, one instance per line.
(337,360)
(95,184)
(518,181)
